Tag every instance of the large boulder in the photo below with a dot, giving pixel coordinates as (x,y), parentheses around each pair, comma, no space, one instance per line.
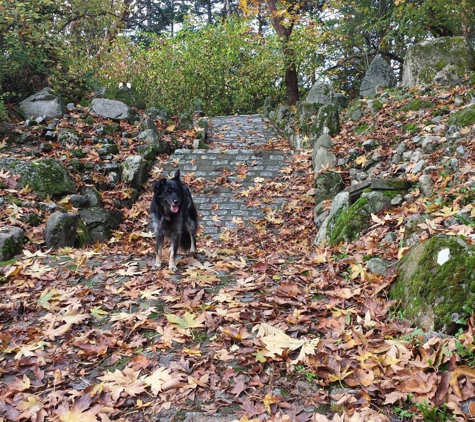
(327,185)
(321,93)
(100,222)
(46,176)
(11,242)
(134,171)
(426,60)
(378,74)
(61,230)
(112,109)
(436,283)
(43,104)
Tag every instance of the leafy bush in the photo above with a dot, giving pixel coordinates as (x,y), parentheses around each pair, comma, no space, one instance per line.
(230,67)
(48,43)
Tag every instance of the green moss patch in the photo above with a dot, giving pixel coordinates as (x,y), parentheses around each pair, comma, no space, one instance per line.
(432,291)
(464,117)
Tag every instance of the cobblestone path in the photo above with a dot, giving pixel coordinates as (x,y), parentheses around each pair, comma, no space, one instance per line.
(242,150)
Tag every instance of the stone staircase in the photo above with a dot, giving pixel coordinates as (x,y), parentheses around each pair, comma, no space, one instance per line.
(241,153)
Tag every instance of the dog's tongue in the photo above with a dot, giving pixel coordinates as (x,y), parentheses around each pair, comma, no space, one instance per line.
(174,208)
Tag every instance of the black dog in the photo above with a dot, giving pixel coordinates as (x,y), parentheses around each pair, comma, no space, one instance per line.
(173,215)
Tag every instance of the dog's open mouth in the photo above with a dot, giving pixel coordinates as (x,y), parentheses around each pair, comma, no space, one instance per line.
(174,208)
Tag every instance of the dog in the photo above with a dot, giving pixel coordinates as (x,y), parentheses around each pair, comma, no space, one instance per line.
(173,216)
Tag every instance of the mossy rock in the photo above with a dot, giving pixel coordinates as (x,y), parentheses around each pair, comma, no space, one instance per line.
(424,60)
(350,223)
(464,117)
(436,283)
(11,242)
(416,105)
(328,116)
(45,176)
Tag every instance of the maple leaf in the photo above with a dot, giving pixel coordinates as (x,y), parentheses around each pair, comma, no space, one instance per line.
(186,322)
(31,407)
(126,381)
(162,380)
(78,412)
(447,212)
(361,160)
(460,371)
(28,350)
(130,270)
(357,270)
(276,342)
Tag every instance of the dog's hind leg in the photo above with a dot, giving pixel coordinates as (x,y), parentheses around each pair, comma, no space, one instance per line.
(191,229)
(173,251)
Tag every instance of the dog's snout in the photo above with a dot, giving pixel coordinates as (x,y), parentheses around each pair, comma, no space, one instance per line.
(176,201)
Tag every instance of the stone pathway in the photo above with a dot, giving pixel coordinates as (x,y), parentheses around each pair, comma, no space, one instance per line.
(240,153)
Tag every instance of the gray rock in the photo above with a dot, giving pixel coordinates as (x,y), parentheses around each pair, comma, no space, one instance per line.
(134,171)
(368,145)
(342,100)
(322,158)
(324,141)
(425,183)
(328,116)
(92,195)
(340,203)
(377,201)
(43,104)
(321,93)
(79,201)
(11,242)
(379,74)
(148,123)
(112,109)
(100,222)
(46,176)
(378,266)
(151,137)
(327,185)
(68,137)
(61,229)
(424,60)
(434,282)
(185,121)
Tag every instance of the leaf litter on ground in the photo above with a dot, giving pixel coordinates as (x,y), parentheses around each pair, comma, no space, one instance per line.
(262,323)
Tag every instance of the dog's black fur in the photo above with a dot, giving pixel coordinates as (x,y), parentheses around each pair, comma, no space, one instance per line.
(173,216)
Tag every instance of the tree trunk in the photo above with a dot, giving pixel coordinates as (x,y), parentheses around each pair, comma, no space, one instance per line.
(284,32)
(292,86)
(114,29)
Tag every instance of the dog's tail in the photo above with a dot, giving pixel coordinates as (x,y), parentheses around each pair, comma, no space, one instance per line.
(185,241)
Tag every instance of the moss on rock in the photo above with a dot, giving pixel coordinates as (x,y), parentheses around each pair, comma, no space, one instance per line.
(349,223)
(46,176)
(434,291)
(464,117)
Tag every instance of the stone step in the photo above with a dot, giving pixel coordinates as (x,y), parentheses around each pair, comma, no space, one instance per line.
(239,157)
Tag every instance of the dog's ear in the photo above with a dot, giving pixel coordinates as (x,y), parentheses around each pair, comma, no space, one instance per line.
(177,175)
(157,184)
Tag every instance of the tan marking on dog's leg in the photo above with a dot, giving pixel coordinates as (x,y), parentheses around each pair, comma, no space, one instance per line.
(158,260)
(172,265)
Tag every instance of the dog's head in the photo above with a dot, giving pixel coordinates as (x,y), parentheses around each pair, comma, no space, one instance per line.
(169,192)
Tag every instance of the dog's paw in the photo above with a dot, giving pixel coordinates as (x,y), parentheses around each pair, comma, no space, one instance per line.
(156,266)
(172,268)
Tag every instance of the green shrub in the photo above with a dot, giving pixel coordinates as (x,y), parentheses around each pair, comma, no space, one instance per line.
(229,66)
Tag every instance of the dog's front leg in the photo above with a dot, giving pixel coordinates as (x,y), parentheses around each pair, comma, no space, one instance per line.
(158,256)
(173,252)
